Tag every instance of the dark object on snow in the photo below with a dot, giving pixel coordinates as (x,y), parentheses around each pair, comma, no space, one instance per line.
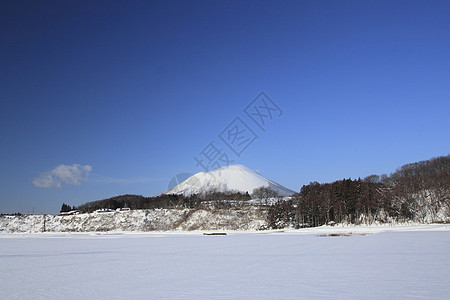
(215,233)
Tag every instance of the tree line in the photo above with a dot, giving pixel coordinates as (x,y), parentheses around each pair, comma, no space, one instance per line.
(217,199)
(417,192)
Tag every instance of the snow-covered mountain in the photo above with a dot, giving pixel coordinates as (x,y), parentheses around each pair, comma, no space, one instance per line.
(230,178)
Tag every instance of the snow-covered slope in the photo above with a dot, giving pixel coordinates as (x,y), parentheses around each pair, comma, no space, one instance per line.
(247,218)
(230,178)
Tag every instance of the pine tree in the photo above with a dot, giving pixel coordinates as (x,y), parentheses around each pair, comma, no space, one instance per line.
(65,208)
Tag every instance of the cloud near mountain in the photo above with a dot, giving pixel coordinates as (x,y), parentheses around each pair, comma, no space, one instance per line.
(69,174)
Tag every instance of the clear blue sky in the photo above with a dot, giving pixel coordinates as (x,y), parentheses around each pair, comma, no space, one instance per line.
(101,98)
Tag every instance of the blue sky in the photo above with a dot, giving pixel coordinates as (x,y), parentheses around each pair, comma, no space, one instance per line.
(101,98)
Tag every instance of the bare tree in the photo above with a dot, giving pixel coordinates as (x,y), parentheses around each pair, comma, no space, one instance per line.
(264,193)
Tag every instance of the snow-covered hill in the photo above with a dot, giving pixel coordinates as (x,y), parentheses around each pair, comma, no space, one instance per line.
(237,178)
(247,218)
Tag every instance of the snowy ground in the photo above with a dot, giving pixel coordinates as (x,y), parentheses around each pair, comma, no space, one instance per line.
(400,262)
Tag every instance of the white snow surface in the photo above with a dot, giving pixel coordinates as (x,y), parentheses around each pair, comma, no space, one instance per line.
(229,178)
(373,262)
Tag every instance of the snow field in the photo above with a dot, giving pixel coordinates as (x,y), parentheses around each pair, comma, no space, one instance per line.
(401,262)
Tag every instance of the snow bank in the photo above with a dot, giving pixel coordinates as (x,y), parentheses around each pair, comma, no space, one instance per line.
(250,218)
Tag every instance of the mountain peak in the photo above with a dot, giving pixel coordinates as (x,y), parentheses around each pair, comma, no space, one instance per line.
(237,178)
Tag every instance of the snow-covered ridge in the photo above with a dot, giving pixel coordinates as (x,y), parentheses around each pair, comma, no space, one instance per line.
(250,218)
(237,178)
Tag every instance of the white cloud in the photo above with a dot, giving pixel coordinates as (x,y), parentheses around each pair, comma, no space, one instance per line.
(74,174)
(46,180)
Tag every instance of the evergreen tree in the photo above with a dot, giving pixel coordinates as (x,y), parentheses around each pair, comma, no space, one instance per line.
(65,208)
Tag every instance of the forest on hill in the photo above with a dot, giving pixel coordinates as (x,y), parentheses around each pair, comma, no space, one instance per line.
(417,192)
(161,201)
